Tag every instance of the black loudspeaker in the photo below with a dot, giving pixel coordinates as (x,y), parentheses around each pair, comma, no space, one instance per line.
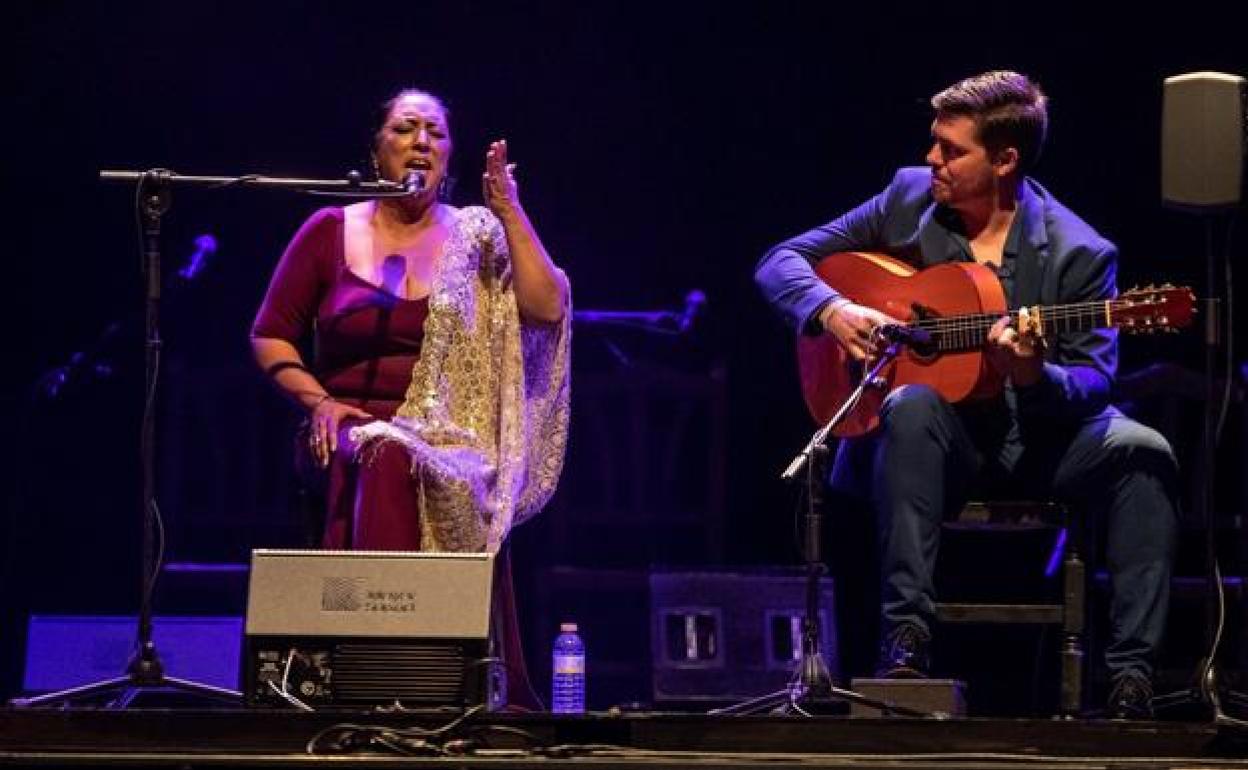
(727,636)
(1203,137)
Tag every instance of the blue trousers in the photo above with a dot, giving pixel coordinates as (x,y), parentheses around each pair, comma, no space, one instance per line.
(928,457)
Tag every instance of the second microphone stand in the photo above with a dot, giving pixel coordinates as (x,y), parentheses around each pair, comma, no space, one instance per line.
(812,685)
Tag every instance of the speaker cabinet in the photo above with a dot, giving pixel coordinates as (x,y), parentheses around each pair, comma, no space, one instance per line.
(724,636)
(370,628)
(1202,140)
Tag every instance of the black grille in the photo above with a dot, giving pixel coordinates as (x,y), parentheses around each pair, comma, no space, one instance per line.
(408,672)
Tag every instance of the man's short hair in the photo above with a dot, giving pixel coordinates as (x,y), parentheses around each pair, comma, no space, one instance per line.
(1009,110)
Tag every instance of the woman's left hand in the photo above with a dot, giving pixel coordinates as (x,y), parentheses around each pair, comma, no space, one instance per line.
(541,290)
(498,183)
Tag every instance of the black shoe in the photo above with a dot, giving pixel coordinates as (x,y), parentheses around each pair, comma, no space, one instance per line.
(1131,697)
(904,653)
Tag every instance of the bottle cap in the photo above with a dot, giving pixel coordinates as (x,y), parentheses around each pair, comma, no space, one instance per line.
(567,628)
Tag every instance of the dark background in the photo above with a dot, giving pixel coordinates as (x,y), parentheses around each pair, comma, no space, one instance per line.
(661,146)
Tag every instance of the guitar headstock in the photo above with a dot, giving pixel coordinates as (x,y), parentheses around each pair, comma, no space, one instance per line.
(1152,308)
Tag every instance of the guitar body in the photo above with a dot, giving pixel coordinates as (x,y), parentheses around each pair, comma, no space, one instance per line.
(828,373)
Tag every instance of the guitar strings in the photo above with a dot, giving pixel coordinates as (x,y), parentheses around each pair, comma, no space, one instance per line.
(960,331)
(1075,309)
(977,321)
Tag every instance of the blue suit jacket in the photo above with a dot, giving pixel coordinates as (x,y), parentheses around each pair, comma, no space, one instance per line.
(1060,259)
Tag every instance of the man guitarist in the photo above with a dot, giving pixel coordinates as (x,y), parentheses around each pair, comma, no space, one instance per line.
(1051,432)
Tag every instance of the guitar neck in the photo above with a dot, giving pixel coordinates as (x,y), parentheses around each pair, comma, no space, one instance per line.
(967,332)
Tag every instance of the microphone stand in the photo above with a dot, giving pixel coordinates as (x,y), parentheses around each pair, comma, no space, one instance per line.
(86,365)
(669,323)
(812,685)
(92,364)
(154,197)
(353,186)
(654,321)
(1206,693)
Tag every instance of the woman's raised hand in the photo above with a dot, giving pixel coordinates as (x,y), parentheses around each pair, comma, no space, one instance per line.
(498,183)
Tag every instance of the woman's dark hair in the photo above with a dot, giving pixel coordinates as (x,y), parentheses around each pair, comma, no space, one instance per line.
(379,123)
(383,112)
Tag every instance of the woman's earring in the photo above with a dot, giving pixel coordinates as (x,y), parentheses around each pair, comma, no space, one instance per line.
(444,188)
(376,169)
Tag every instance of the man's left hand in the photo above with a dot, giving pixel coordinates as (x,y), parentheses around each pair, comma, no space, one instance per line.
(1017,356)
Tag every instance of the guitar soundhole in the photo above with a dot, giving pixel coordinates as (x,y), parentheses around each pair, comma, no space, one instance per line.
(855,369)
(926,351)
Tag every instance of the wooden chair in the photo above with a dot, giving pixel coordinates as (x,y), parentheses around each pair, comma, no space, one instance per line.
(1070,547)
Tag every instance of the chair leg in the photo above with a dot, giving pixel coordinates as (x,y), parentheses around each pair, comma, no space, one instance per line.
(1074,588)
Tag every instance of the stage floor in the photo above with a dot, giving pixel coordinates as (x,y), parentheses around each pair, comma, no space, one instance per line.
(187,738)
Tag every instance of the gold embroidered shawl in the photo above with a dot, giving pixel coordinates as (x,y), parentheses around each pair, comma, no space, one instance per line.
(485,417)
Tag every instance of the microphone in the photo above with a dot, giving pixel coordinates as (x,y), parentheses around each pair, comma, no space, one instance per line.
(414,181)
(910,336)
(205,247)
(695,301)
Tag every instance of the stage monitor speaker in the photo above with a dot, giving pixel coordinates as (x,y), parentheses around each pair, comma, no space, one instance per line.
(1203,136)
(370,628)
(64,651)
(725,636)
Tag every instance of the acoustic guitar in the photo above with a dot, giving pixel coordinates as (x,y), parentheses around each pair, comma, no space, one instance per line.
(950,307)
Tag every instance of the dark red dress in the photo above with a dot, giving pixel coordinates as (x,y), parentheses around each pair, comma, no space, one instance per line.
(366,342)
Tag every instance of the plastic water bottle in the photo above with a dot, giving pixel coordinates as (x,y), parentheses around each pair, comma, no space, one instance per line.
(567,682)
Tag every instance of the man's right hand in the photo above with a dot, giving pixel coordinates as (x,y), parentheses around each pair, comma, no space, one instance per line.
(852,325)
